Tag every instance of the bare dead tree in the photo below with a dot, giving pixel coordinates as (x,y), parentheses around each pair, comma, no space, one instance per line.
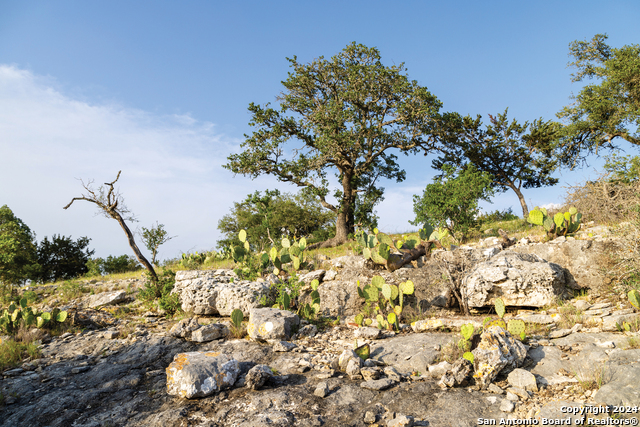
(112,205)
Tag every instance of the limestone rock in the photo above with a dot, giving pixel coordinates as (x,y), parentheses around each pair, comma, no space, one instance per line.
(106,298)
(198,374)
(339,298)
(258,376)
(381,384)
(497,352)
(584,260)
(519,279)
(322,389)
(210,332)
(184,328)
(401,421)
(346,357)
(218,292)
(367,333)
(271,324)
(523,379)
(459,375)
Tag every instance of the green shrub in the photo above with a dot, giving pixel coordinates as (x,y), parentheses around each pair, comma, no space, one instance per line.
(161,291)
(13,352)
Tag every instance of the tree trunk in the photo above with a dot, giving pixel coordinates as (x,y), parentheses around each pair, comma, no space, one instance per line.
(344,220)
(134,246)
(523,203)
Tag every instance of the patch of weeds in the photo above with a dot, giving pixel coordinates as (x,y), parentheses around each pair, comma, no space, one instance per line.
(451,352)
(161,291)
(633,343)
(569,316)
(12,353)
(237,332)
(71,290)
(593,379)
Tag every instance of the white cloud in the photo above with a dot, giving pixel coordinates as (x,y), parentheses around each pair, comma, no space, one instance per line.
(171,166)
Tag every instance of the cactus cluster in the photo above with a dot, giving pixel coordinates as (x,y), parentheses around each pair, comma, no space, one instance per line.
(560,224)
(378,246)
(382,296)
(196,259)
(634,298)
(310,311)
(14,315)
(291,253)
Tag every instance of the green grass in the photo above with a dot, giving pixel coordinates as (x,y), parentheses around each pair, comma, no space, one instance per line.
(13,352)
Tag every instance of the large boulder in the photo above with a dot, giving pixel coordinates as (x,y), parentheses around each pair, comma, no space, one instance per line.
(272,324)
(218,292)
(198,374)
(519,279)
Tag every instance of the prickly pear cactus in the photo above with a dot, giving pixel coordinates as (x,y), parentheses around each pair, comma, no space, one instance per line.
(500,308)
(549,225)
(359,319)
(634,298)
(536,217)
(559,220)
(469,356)
(236,318)
(497,322)
(516,327)
(467,331)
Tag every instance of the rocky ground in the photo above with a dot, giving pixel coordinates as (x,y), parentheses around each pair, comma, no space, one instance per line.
(113,372)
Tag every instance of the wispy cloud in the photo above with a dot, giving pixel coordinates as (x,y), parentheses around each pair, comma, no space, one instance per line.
(171,165)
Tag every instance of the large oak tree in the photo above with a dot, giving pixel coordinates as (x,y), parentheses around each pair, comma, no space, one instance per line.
(343,114)
(608,109)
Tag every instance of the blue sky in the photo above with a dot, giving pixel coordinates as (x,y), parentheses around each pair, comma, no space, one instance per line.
(160,90)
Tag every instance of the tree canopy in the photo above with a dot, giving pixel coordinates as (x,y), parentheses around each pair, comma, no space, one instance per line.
(266,217)
(451,201)
(153,238)
(515,155)
(342,114)
(62,258)
(18,259)
(607,109)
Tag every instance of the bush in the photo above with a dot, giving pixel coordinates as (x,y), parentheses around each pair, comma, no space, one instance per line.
(62,258)
(112,265)
(161,291)
(451,201)
(613,196)
(18,258)
(497,216)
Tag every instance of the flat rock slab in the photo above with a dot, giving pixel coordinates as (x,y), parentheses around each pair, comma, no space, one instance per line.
(197,374)
(409,353)
(622,386)
(106,298)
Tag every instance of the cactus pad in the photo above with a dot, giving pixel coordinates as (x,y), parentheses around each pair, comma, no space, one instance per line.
(497,322)
(634,298)
(516,327)
(558,219)
(377,281)
(467,331)
(236,318)
(242,236)
(536,217)
(500,308)
(469,356)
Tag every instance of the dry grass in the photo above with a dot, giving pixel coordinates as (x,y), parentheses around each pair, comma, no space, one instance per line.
(593,379)
(569,316)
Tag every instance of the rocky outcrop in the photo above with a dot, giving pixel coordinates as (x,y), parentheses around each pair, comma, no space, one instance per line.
(585,261)
(519,279)
(218,292)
